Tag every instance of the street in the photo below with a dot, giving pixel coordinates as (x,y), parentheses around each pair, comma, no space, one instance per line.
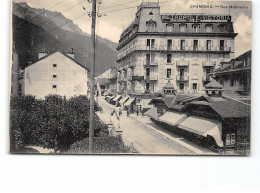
(146,136)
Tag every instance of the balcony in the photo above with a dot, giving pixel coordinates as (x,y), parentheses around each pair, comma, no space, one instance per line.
(182,78)
(209,63)
(137,78)
(151,78)
(182,63)
(206,79)
(150,62)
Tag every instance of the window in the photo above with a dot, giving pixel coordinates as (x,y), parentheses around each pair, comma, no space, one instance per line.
(183,28)
(169,58)
(221,45)
(150,43)
(230,139)
(232,82)
(196,28)
(169,72)
(147,86)
(208,44)
(233,139)
(181,87)
(195,45)
(169,44)
(54,76)
(54,86)
(54,65)
(194,86)
(209,28)
(169,27)
(182,44)
(151,26)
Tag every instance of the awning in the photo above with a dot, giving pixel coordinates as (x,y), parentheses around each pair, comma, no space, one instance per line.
(172,118)
(129,102)
(117,97)
(123,100)
(152,113)
(145,103)
(203,127)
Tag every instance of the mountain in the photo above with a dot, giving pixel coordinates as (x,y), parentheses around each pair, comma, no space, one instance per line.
(31,36)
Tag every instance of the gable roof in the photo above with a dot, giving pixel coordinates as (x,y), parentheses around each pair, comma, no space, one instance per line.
(54,52)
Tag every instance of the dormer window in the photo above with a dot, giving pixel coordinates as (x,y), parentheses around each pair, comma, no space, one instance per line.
(196,27)
(151,26)
(221,27)
(209,28)
(169,27)
(183,27)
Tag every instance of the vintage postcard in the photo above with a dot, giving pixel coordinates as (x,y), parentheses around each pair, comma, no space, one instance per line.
(156,77)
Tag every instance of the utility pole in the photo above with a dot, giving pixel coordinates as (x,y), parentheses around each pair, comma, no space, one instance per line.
(92,71)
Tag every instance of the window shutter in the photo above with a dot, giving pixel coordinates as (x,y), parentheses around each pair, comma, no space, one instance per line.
(205,44)
(212,43)
(173,43)
(198,86)
(199,43)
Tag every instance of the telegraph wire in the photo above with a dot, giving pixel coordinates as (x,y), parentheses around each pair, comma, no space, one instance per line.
(60,13)
(119,4)
(48,9)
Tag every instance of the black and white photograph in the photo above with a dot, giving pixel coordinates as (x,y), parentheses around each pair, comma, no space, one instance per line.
(132,77)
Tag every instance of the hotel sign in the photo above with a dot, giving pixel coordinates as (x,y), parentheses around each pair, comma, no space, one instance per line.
(195,18)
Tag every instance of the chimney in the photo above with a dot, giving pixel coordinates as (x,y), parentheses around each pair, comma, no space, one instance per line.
(72,55)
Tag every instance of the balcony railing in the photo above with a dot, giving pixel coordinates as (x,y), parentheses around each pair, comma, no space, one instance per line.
(182,78)
(150,62)
(182,63)
(209,63)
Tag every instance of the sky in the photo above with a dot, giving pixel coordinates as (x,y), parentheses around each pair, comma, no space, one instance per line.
(111,24)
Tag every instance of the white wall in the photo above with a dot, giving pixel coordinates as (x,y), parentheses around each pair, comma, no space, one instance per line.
(71,78)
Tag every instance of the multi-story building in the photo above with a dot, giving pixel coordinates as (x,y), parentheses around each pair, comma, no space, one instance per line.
(107,82)
(235,75)
(178,48)
(55,73)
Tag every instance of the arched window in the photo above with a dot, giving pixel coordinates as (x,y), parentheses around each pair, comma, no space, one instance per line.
(196,27)
(209,28)
(169,27)
(183,27)
(151,26)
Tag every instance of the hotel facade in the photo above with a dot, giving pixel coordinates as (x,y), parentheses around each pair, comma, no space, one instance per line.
(181,49)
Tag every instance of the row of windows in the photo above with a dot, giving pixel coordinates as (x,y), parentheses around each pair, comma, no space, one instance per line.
(151,27)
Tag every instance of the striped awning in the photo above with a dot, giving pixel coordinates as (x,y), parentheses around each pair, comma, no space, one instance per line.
(202,126)
(117,97)
(129,102)
(123,100)
(172,118)
(152,113)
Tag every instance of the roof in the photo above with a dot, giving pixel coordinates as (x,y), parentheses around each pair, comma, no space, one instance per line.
(224,107)
(62,54)
(213,85)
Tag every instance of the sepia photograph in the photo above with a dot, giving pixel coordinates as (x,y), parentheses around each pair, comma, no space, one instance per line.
(130,77)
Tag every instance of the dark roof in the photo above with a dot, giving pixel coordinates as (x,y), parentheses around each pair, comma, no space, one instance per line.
(62,54)
(213,85)
(225,107)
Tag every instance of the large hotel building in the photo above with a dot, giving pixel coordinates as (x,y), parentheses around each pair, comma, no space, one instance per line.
(158,50)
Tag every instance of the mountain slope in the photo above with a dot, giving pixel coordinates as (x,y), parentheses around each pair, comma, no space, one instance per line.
(30,38)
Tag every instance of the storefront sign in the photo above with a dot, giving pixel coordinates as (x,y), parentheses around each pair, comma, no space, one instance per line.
(195,18)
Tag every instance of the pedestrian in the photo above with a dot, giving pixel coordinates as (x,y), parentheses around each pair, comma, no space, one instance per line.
(127,112)
(120,111)
(137,112)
